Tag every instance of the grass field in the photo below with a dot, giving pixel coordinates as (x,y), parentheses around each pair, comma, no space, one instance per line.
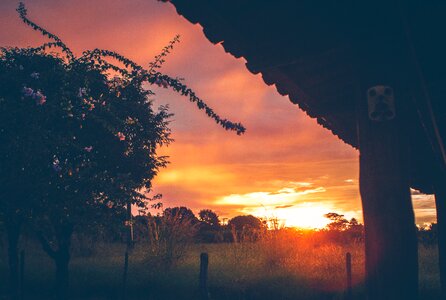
(263,270)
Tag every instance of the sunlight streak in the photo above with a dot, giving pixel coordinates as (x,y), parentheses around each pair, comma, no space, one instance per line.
(290,205)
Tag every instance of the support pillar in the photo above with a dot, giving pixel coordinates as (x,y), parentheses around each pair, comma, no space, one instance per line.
(391,249)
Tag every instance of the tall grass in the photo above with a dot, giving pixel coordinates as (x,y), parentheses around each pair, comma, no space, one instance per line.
(278,267)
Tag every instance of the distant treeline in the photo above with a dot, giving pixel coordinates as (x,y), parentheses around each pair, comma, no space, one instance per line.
(181,223)
(206,227)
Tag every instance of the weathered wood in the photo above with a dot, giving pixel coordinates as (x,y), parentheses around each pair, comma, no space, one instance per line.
(204,262)
(440,201)
(348,266)
(391,251)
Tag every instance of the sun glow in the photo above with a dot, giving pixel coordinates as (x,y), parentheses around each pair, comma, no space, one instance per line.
(292,206)
(304,215)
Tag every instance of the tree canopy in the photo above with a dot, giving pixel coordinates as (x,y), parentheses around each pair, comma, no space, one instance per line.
(248,221)
(79,137)
(209,217)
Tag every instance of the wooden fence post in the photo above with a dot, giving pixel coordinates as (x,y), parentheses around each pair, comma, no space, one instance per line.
(204,262)
(348,264)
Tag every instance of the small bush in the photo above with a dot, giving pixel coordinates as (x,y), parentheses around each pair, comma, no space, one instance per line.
(169,236)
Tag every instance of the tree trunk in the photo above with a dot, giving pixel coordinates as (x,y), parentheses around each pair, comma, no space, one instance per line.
(13,232)
(62,260)
(390,234)
(440,201)
(61,257)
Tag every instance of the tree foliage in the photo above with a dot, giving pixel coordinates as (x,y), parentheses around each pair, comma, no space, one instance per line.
(79,136)
(338,222)
(246,228)
(210,229)
(241,222)
(181,214)
(209,217)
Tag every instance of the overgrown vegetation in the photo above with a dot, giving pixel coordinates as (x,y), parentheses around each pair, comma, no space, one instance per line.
(303,267)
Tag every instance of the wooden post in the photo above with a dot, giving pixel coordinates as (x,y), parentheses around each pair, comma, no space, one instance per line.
(22,274)
(380,57)
(440,201)
(124,278)
(204,262)
(348,265)
(391,250)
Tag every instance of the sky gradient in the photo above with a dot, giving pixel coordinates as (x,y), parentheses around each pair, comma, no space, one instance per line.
(284,166)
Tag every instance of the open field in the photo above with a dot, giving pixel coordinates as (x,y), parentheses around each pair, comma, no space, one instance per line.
(263,270)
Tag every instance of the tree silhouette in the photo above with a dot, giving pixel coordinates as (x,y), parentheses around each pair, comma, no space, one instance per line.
(83,167)
(241,222)
(338,222)
(245,227)
(209,218)
(181,213)
(210,230)
(78,144)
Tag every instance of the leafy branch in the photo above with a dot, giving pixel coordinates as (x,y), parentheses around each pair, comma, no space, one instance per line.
(139,73)
(136,72)
(160,58)
(58,42)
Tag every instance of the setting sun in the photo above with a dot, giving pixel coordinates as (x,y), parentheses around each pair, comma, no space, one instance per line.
(291,206)
(307,216)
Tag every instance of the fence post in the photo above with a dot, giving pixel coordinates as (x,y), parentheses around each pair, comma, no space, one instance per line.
(348,262)
(22,274)
(124,279)
(204,262)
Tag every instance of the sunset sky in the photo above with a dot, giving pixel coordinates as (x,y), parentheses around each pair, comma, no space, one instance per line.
(285,166)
